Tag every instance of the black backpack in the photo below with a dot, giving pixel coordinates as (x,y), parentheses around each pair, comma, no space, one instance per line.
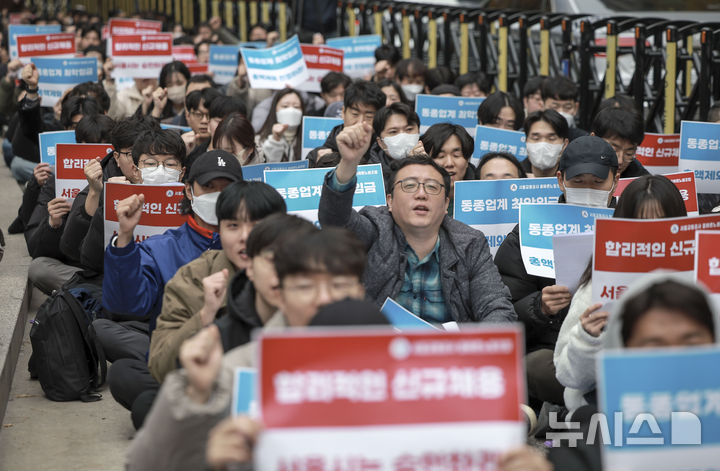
(66,358)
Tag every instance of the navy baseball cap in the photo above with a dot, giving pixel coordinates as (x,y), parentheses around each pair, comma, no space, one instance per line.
(588,154)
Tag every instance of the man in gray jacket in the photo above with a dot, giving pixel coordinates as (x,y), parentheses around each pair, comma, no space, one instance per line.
(438,268)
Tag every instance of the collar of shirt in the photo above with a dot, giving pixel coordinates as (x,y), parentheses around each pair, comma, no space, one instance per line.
(207,233)
(413,258)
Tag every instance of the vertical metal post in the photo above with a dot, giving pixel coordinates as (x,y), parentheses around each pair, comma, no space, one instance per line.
(586,37)
(464,44)
(419,36)
(611,59)
(640,62)
(253,12)
(243,20)
(706,56)
(203,11)
(432,41)
(689,64)
(351,19)
(282,20)
(670,78)
(482,41)
(229,17)
(178,11)
(378,16)
(215,8)
(502,53)
(522,53)
(566,46)
(405,34)
(265,12)
(544,46)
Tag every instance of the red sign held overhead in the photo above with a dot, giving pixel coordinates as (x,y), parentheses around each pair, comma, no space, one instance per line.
(37,45)
(707,260)
(685,183)
(142,45)
(659,150)
(70,164)
(133,26)
(320,60)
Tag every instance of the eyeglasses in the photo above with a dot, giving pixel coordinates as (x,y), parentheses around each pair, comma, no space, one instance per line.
(412,185)
(169,163)
(199,115)
(127,153)
(337,289)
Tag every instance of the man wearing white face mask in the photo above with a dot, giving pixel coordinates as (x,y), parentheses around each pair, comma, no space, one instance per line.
(546,135)
(398,129)
(587,174)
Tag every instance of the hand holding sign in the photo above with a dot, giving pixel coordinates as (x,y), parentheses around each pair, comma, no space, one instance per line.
(30,75)
(353,142)
(93,174)
(42,173)
(201,356)
(214,289)
(554,298)
(57,209)
(129,212)
(593,321)
(232,441)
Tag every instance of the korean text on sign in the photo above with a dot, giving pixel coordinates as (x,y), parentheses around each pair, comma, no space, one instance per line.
(387,399)
(700,153)
(443,109)
(60,74)
(315,130)
(489,139)
(659,153)
(140,55)
(70,166)
(39,45)
(359,52)
(16,30)
(320,60)
(276,67)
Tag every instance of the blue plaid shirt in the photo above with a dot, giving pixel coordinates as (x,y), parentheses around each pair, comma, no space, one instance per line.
(421,292)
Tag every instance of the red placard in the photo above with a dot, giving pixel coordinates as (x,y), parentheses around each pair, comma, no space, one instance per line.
(323,57)
(347,379)
(197,68)
(161,207)
(707,259)
(36,45)
(70,159)
(133,26)
(142,45)
(659,150)
(184,54)
(644,245)
(685,183)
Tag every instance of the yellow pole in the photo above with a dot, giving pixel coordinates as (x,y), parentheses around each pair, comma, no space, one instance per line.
(432,41)
(215,8)
(670,79)
(178,11)
(464,44)
(502,55)
(611,60)
(265,11)
(544,48)
(253,12)
(203,11)
(378,23)
(688,65)
(351,19)
(242,20)
(229,19)
(406,35)
(168,6)
(282,20)
(188,20)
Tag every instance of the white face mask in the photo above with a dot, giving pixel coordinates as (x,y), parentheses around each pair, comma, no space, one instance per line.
(399,145)
(204,207)
(176,94)
(569,118)
(159,175)
(543,155)
(587,197)
(411,90)
(290,116)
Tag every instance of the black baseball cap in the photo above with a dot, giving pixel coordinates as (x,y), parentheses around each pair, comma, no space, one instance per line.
(588,154)
(215,164)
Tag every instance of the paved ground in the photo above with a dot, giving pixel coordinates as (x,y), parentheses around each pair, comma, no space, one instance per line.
(38,434)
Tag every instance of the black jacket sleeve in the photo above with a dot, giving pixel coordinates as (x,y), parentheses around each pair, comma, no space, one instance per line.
(526,292)
(92,252)
(76,227)
(30,199)
(42,240)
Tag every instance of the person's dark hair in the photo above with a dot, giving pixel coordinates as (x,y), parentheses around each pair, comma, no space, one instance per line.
(620,100)
(261,26)
(387,52)
(164,141)
(94,129)
(349,312)
(437,134)
(197,46)
(398,89)
(248,201)
(333,250)
(501,155)
(410,67)
(329,160)
(619,123)
(553,118)
(384,114)
(364,93)
(533,86)
(559,88)
(78,105)
(417,159)
(97,49)
(170,68)
(650,192)
(205,97)
(670,295)
(226,106)
(478,78)
(714,113)
(126,131)
(489,109)
(445,88)
(439,76)
(332,80)
(89,28)
(266,129)
(90,90)
(202,78)
(273,229)
(236,127)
